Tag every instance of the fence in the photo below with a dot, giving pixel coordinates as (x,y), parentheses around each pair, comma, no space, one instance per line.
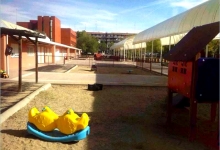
(152,64)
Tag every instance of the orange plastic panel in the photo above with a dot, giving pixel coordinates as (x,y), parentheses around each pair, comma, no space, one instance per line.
(180,77)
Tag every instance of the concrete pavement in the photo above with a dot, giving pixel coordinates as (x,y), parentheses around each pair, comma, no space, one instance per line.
(106,79)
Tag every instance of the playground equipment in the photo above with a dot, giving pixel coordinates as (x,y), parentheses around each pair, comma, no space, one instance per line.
(45,120)
(194,77)
(70,122)
(3,74)
(47,125)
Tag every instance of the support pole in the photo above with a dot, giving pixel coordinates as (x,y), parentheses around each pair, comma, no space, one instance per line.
(145,50)
(152,50)
(206,50)
(36,60)
(169,106)
(135,53)
(170,43)
(7,59)
(193,106)
(161,63)
(213,111)
(20,64)
(124,53)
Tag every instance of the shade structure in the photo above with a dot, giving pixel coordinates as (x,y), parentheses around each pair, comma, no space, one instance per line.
(17,32)
(193,42)
(13,29)
(123,43)
(202,14)
(128,44)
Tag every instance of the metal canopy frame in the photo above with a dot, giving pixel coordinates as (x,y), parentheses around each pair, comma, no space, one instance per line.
(193,42)
(17,34)
(202,14)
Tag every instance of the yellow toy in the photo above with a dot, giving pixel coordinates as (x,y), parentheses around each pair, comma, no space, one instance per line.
(45,120)
(70,122)
(3,74)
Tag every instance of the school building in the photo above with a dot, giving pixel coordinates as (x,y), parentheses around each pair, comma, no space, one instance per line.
(53,49)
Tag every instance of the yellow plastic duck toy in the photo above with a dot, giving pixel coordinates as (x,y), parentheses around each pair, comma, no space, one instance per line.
(45,120)
(70,122)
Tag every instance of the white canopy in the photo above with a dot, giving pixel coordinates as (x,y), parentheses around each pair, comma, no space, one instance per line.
(9,25)
(48,41)
(128,44)
(202,14)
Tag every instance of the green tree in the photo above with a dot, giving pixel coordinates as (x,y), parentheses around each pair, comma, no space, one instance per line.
(213,47)
(102,46)
(86,42)
(156,46)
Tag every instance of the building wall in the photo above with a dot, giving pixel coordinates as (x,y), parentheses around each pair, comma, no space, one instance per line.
(73,38)
(65,36)
(39,23)
(43,25)
(47,52)
(56,30)
(110,37)
(68,37)
(28,61)
(2,52)
(24,24)
(46,25)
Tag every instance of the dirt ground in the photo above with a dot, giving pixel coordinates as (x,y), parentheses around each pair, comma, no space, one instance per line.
(131,70)
(121,118)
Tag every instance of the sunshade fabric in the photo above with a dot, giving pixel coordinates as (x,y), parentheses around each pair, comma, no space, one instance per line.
(7,28)
(122,43)
(202,14)
(193,42)
(128,44)
(47,41)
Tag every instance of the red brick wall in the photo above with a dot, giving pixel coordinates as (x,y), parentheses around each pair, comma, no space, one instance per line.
(39,23)
(24,24)
(43,25)
(56,30)
(46,25)
(68,37)
(73,38)
(65,36)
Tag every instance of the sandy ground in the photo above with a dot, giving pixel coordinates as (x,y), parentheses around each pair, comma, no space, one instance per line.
(121,118)
(112,70)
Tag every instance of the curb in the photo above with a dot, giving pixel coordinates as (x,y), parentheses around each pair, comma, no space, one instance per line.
(5,115)
(71,69)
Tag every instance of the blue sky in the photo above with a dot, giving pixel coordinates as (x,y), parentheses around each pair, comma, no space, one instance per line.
(126,16)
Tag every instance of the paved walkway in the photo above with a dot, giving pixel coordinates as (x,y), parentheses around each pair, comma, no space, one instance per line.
(106,79)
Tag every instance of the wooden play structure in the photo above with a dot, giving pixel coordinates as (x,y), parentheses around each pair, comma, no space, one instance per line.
(193,75)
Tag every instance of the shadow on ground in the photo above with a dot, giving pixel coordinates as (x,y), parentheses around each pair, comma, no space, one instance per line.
(54,68)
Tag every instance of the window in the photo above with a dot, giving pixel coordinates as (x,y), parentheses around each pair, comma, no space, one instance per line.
(15,52)
(30,51)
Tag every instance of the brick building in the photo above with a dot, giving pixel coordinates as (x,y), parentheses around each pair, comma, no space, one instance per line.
(68,37)
(50,50)
(108,38)
(51,26)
